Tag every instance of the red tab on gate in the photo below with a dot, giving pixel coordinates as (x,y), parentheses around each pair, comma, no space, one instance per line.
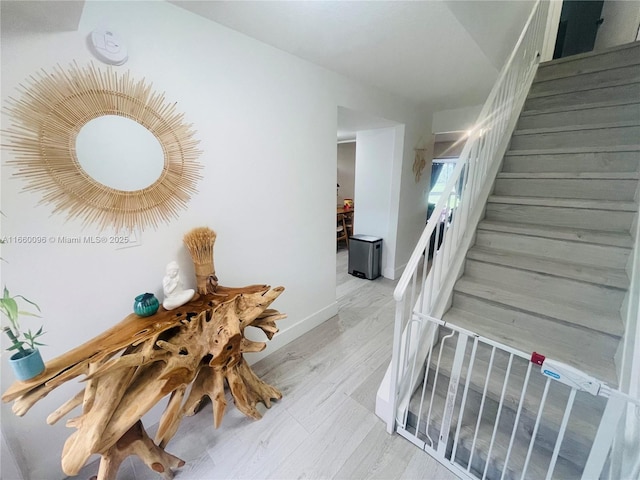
(537,358)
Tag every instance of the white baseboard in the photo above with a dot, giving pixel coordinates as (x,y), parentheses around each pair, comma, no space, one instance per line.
(286,336)
(399,270)
(383,402)
(393,273)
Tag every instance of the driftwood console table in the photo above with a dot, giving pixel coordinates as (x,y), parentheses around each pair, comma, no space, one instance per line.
(132,366)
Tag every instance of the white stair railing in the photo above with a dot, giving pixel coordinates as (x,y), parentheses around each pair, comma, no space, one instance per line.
(542,418)
(425,290)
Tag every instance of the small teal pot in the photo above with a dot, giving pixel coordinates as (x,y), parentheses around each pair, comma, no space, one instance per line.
(146,305)
(26,367)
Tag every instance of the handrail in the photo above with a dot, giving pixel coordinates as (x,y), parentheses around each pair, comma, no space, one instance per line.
(460,206)
(485,114)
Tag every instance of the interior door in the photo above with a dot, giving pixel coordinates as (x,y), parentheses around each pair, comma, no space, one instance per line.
(579,22)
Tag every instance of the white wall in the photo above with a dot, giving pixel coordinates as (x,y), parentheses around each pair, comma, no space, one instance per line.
(374,188)
(455,120)
(628,364)
(620,26)
(267,125)
(551,30)
(495,25)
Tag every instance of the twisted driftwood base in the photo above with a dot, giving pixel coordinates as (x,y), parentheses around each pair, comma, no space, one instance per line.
(136,442)
(199,344)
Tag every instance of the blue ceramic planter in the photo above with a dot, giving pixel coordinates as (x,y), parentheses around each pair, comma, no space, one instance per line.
(146,305)
(25,367)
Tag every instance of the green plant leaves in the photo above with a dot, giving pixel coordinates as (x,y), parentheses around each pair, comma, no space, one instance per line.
(9,307)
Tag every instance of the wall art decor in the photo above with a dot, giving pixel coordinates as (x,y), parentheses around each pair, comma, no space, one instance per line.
(102,147)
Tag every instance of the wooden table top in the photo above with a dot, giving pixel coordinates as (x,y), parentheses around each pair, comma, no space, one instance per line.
(132,330)
(343,210)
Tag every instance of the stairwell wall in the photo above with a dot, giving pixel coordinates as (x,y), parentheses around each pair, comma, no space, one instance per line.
(620,26)
(627,444)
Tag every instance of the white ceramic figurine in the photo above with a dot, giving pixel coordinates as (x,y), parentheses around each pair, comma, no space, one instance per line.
(174,294)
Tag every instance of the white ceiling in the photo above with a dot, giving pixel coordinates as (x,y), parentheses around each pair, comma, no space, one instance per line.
(420,50)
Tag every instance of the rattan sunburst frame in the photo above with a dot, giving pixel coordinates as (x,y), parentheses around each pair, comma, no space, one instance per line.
(46,119)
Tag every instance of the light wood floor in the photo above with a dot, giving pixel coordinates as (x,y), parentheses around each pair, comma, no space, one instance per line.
(324,426)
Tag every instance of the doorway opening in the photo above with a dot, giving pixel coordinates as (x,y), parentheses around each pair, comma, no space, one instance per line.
(369,148)
(578,27)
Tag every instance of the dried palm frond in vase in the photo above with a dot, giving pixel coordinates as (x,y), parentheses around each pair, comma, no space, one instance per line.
(199,242)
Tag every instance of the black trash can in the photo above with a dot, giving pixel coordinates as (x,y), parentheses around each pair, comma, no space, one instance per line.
(365,254)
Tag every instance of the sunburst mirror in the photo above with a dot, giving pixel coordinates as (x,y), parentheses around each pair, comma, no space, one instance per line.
(102,147)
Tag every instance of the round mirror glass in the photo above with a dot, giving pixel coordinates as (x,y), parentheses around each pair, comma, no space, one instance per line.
(119,153)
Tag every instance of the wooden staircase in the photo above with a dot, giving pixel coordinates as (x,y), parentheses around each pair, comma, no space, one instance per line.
(548,270)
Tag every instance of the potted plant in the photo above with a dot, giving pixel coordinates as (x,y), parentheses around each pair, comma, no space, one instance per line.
(26,361)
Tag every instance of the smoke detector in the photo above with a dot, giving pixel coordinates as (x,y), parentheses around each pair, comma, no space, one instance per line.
(108,47)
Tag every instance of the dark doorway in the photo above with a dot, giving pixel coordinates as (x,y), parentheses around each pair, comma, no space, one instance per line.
(579,22)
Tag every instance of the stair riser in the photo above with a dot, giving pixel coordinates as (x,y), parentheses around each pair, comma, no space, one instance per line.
(620,190)
(625,93)
(585,254)
(601,137)
(561,217)
(617,58)
(587,116)
(558,336)
(601,298)
(573,162)
(586,81)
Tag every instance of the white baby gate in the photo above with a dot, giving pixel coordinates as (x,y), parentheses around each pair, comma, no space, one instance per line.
(543,424)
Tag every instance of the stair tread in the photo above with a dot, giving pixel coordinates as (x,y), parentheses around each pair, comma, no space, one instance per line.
(582,316)
(571,150)
(599,298)
(589,80)
(623,112)
(581,106)
(573,163)
(589,84)
(539,460)
(577,106)
(573,128)
(592,296)
(573,175)
(593,53)
(617,133)
(566,202)
(617,239)
(580,253)
(529,337)
(616,278)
